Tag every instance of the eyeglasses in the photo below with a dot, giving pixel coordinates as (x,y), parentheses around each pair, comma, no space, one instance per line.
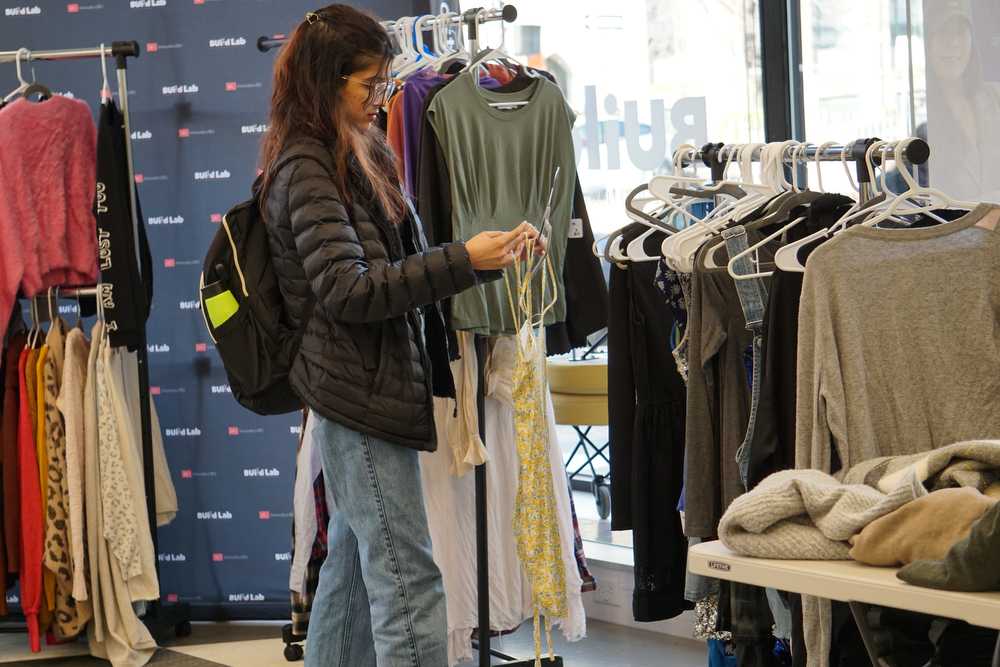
(379,90)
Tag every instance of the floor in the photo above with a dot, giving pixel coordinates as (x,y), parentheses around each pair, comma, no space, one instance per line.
(259,644)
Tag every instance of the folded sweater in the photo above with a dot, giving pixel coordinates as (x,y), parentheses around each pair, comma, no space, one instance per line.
(963,568)
(807,514)
(924,529)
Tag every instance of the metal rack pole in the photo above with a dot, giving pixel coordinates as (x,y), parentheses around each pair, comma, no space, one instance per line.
(472,18)
(114,50)
(508,13)
(917,152)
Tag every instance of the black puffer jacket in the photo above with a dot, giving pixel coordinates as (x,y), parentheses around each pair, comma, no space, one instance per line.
(363,362)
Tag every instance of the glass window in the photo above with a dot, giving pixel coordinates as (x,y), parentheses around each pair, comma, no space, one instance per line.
(962,55)
(896,68)
(856,73)
(644,76)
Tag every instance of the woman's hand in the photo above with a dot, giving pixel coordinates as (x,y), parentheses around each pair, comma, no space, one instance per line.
(498,250)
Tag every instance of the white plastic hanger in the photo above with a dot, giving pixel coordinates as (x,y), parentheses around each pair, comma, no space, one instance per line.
(772,172)
(772,169)
(23,85)
(797,152)
(915,191)
(105,88)
(787,256)
(420,58)
(407,54)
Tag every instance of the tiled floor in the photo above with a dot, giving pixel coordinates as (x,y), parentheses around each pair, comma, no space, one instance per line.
(259,645)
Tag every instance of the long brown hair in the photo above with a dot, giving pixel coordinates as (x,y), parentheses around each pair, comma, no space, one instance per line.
(333,42)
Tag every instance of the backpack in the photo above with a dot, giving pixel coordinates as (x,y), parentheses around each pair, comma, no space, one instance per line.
(244,312)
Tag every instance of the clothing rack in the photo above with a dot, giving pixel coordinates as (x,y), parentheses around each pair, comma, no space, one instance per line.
(161,619)
(717,155)
(472,19)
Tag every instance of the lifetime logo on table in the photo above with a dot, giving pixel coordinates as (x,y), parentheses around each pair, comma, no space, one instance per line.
(719,565)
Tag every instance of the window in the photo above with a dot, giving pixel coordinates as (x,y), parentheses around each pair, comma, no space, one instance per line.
(644,76)
(897,68)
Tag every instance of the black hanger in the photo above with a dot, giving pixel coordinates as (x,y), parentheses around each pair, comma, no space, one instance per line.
(729,189)
(656,222)
(43,91)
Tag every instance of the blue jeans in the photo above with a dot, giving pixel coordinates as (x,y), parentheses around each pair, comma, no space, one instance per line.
(380,599)
(753,299)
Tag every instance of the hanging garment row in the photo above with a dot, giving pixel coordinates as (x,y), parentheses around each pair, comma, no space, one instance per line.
(812,330)
(438,90)
(76,536)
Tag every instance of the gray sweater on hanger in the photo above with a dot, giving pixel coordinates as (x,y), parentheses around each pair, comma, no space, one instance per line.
(898,352)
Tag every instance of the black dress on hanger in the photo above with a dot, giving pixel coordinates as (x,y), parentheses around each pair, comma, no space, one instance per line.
(646,411)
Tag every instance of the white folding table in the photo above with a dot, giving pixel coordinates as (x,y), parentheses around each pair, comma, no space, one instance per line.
(851,582)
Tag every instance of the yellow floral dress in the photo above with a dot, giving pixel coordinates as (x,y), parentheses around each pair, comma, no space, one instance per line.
(536,528)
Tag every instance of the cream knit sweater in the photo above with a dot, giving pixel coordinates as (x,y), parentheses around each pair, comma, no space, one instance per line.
(807,515)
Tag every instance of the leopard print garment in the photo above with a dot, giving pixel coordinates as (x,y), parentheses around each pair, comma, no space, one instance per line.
(70,617)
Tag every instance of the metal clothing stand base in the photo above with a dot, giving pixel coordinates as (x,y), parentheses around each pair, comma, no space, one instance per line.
(164,621)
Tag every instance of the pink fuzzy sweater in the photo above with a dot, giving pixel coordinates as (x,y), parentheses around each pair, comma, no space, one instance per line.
(48,175)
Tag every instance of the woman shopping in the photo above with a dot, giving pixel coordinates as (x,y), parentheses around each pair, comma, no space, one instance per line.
(356,276)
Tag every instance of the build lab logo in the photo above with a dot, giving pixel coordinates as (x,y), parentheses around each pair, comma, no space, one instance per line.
(246,597)
(226,42)
(146,4)
(165,220)
(215,515)
(212,175)
(259,128)
(76,8)
(141,135)
(180,89)
(285,556)
(32,10)
(261,472)
(619,128)
(295,430)
(172,558)
(183,432)
(158,348)
(190,305)
(221,389)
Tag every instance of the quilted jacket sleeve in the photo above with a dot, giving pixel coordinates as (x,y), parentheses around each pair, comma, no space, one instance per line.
(350,287)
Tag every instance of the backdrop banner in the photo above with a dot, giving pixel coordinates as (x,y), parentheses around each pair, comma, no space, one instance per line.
(198,96)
